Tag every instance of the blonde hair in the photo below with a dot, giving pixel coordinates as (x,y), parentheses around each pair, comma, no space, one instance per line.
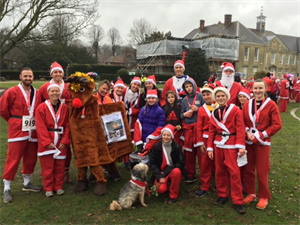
(266,86)
(104,82)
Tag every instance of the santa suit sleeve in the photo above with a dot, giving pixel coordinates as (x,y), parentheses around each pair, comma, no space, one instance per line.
(240,130)
(164,92)
(66,136)
(5,102)
(199,128)
(212,133)
(41,127)
(276,122)
(137,136)
(135,110)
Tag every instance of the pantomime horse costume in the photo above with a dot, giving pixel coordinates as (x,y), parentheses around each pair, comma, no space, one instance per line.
(88,138)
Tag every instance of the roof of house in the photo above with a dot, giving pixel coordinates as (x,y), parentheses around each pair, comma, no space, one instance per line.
(115,59)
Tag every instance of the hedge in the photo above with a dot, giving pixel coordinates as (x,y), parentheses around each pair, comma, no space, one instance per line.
(14,74)
(100,69)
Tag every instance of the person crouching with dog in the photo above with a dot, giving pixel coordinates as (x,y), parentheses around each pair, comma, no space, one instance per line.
(52,126)
(167,164)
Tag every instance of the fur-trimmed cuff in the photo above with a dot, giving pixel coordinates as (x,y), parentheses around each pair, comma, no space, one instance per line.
(240,146)
(209,149)
(138,143)
(265,134)
(198,144)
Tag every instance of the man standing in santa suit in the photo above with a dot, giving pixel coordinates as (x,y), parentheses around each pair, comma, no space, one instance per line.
(284,94)
(17,107)
(57,74)
(228,82)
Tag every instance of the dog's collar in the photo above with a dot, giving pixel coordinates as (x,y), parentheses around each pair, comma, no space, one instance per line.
(141,184)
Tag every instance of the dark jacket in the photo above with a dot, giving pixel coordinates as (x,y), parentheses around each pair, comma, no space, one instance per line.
(172,114)
(156,160)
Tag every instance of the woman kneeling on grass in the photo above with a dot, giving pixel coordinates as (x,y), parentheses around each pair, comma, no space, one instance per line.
(262,120)
(52,126)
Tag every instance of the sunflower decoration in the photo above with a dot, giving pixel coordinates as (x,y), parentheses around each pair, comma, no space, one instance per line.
(78,80)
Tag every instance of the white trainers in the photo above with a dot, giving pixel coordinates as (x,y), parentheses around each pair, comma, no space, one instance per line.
(60,192)
(7,197)
(49,194)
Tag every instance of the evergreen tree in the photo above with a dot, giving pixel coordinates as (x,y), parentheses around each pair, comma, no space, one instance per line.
(196,66)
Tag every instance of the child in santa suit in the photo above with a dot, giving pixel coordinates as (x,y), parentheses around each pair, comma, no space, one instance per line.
(167,164)
(226,132)
(284,94)
(52,125)
(243,96)
(262,120)
(204,115)
(189,114)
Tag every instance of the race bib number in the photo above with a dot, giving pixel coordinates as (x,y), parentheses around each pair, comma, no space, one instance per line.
(28,123)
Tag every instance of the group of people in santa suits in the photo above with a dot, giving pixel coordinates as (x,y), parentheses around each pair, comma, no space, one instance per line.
(219,124)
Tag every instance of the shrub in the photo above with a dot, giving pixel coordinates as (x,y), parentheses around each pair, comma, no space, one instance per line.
(2,79)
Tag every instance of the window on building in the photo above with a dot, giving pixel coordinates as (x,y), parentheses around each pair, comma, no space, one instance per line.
(294,59)
(255,69)
(245,70)
(246,56)
(256,53)
(280,73)
(286,71)
(266,57)
(280,58)
(287,60)
(273,58)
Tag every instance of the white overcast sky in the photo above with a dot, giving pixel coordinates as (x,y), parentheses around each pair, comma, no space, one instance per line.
(181,17)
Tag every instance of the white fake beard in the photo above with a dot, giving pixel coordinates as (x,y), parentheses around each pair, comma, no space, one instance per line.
(227,80)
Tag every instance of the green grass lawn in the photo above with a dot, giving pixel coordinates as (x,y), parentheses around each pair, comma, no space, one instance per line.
(86,208)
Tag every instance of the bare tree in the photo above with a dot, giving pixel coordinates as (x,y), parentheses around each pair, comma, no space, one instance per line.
(137,34)
(114,39)
(28,19)
(96,34)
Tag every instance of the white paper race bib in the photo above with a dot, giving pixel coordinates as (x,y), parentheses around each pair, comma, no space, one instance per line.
(28,123)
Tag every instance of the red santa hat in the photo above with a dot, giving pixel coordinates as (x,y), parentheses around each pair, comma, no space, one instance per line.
(151,93)
(209,88)
(252,79)
(119,83)
(245,92)
(151,79)
(179,63)
(169,128)
(136,80)
(56,66)
(223,89)
(285,76)
(226,66)
(51,86)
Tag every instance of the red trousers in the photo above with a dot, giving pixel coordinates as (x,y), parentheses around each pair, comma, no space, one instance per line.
(206,169)
(97,171)
(68,158)
(53,172)
(17,150)
(259,160)
(283,105)
(190,161)
(226,162)
(175,179)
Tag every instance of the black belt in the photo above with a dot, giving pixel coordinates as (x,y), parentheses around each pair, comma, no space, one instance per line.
(225,134)
(206,130)
(58,129)
(17,117)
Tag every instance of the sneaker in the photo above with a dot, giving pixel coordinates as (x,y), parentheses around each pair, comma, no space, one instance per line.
(221,201)
(240,209)
(49,194)
(7,197)
(171,200)
(262,204)
(249,199)
(201,193)
(190,180)
(60,192)
(31,187)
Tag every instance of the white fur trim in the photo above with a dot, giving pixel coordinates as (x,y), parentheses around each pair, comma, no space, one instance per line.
(265,134)
(209,149)
(228,67)
(149,96)
(168,129)
(51,86)
(223,89)
(245,94)
(179,64)
(56,68)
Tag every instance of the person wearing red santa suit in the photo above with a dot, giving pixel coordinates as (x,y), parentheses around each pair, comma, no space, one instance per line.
(226,132)
(297,90)
(227,81)
(204,113)
(250,84)
(262,120)
(57,74)
(175,83)
(243,96)
(292,81)
(52,125)
(284,94)
(117,93)
(267,79)
(17,106)
(167,164)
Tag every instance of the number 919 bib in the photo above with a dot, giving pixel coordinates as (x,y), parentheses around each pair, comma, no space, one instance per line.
(28,123)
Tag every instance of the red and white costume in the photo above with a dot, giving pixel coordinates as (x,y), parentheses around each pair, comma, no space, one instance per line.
(228,136)
(263,124)
(207,164)
(65,94)
(284,95)
(132,108)
(52,128)
(14,104)
(297,91)
(233,90)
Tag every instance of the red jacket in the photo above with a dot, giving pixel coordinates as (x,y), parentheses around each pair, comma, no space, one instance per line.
(269,122)
(284,89)
(202,124)
(65,94)
(269,82)
(45,120)
(13,104)
(234,91)
(233,123)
